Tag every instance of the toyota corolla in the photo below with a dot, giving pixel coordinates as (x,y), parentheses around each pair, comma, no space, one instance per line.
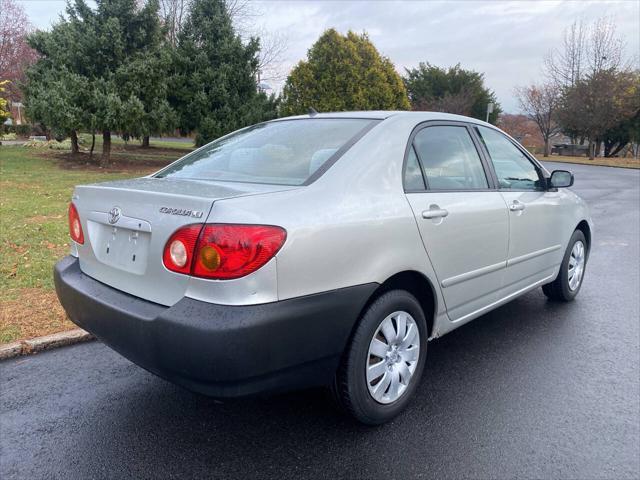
(320,250)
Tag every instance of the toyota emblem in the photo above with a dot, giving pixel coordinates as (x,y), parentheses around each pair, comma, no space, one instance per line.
(114,215)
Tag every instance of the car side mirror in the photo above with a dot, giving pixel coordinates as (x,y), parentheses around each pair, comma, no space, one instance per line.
(561,179)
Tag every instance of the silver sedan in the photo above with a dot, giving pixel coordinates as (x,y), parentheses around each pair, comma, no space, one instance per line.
(320,250)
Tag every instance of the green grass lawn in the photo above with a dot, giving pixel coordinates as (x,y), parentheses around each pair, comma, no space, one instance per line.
(606,162)
(35,190)
(117,141)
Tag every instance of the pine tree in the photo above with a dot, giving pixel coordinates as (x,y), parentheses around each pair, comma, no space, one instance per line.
(452,90)
(214,87)
(107,67)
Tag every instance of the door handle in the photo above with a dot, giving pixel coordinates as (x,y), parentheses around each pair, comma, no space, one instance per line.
(516,206)
(435,213)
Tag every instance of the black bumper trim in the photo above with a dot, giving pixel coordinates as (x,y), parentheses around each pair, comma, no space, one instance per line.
(218,350)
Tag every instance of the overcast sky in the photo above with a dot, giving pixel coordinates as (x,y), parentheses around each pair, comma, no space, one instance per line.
(505,40)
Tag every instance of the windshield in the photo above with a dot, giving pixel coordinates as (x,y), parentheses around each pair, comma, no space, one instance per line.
(287,152)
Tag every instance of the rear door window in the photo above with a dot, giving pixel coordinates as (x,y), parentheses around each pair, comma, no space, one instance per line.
(413,178)
(450,159)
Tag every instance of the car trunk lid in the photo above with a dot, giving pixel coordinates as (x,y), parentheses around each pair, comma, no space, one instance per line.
(127,224)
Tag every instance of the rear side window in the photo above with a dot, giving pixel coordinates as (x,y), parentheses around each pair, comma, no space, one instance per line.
(513,169)
(413,178)
(287,152)
(450,159)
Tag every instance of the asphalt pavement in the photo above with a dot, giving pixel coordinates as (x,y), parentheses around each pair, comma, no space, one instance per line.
(534,389)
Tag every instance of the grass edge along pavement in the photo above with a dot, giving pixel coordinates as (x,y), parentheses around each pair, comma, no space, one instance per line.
(618,162)
(47,342)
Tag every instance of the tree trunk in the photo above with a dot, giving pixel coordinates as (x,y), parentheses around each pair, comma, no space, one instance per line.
(93,144)
(106,148)
(592,146)
(615,150)
(74,143)
(598,145)
(145,141)
(547,149)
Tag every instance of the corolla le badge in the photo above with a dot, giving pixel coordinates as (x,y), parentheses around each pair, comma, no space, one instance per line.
(182,211)
(114,215)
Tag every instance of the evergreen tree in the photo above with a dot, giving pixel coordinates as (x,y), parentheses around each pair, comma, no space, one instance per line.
(343,72)
(57,98)
(108,66)
(452,90)
(214,86)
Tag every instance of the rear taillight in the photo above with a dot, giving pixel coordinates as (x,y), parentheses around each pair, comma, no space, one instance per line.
(222,251)
(178,252)
(75,227)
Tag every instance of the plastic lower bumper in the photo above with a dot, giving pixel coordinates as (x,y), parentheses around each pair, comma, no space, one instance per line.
(219,350)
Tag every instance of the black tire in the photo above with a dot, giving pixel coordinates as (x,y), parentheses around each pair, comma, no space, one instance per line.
(559,289)
(350,388)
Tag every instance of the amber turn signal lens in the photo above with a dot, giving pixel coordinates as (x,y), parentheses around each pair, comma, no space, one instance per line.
(209,257)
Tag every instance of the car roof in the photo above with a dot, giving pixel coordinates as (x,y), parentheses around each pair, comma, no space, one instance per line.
(418,116)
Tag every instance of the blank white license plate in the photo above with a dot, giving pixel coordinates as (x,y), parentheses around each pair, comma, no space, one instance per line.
(119,247)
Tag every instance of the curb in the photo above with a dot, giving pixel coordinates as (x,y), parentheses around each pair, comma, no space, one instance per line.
(39,344)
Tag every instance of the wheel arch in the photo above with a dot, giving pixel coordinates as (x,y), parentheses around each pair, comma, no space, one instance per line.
(415,283)
(583,226)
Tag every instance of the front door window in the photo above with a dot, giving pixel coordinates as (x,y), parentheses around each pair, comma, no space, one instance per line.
(514,170)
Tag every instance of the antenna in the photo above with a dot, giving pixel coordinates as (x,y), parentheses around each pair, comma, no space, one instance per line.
(312,112)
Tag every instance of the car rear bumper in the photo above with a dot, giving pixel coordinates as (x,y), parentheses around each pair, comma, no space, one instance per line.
(218,350)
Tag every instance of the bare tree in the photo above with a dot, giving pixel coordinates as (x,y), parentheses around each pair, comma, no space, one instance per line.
(604,47)
(245,15)
(585,50)
(273,46)
(173,12)
(540,103)
(565,65)
(15,53)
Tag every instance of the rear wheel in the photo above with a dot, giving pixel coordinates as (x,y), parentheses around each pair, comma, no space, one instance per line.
(385,359)
(569,280)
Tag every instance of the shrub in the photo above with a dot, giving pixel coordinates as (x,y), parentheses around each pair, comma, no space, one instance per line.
(52,144)
(36,144)
(18,130)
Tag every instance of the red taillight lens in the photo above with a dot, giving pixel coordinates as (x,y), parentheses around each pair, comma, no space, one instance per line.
(75,227)
(233,251)
(222,251)
(178,252)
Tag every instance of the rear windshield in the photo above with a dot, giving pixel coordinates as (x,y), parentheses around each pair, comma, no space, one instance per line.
(287,152)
